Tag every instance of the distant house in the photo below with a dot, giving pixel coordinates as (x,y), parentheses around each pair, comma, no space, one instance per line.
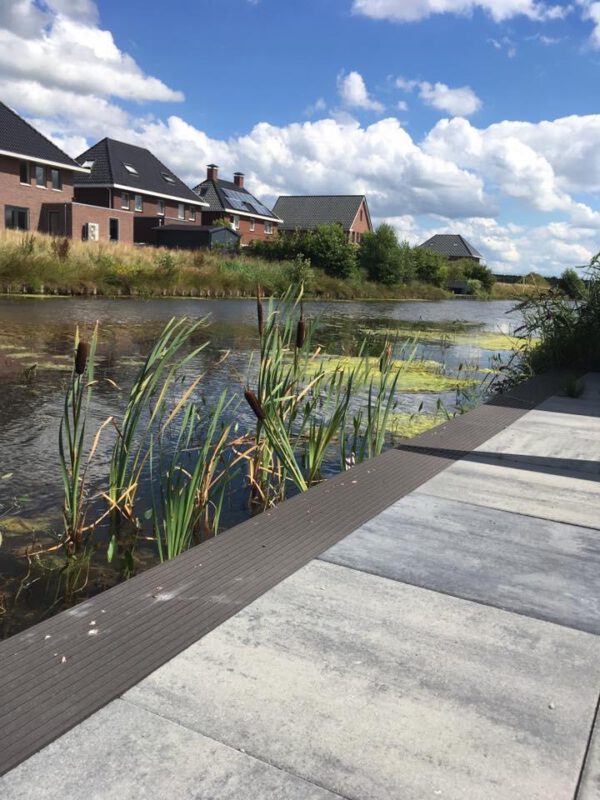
(36,178)
(196,237)
(127,193)
(453,247)
(304,212)
(231,201)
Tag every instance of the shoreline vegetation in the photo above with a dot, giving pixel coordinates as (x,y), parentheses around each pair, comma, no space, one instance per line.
(35,264)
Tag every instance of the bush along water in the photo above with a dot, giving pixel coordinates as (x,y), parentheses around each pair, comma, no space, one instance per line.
(561,327)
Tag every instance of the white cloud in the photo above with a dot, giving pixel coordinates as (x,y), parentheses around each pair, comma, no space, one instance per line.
(354,94)
(504,44)
(414,10)
(64,49)
(315,108)
(591,12)
(459,102)
(402,105)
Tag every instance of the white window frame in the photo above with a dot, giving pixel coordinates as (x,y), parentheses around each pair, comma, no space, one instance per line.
(268,228)
(235,222)
(138,206)
(161,208)
(180,210)
(28,167)
(252,224)
(131,169)
(125,201)
(192,211)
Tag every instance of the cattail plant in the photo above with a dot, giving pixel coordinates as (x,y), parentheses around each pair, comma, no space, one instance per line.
(71,441)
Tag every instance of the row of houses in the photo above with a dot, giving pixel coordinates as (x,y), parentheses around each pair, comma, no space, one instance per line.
(121,192)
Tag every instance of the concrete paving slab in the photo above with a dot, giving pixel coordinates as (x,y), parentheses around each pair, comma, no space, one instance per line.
(569,441)
(379,691)
(589,788)
(125,753)
(544,569)
(565,497)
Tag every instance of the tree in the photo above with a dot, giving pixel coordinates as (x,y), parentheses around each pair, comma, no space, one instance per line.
(571,284)
(327,249)
(429,266)
(478,272)
(381,257)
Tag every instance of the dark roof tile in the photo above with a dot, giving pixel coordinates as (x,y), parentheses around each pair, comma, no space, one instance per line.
(450,244)
(307,211)
(110,158)
(22,139)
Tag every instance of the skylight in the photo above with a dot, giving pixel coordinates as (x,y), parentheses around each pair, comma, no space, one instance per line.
(88,163)
(168,178)
(131,169)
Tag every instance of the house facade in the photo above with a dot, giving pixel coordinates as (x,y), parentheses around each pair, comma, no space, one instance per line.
(453,247)
(126,193)
(304,212)
(230,201)
(36,179)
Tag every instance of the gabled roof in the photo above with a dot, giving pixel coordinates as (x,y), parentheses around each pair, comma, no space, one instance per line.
(450,244)
(21,140)
(215,193)
(306,211)
(132,168)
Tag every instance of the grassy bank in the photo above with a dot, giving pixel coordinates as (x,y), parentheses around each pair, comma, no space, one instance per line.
(37,264)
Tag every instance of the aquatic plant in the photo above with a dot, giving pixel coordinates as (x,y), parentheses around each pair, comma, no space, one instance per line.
(71,441)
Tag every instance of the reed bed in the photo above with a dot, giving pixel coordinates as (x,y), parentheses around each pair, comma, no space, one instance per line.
(176,459)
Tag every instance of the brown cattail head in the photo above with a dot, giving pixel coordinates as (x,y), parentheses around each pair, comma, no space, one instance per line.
(252,401)
(81,357)
(259,311)
(385,358)
(300,333)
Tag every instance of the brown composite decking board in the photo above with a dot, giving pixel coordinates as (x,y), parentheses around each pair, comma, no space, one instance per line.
(149,619)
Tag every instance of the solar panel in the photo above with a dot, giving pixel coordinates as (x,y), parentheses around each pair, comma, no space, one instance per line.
(240,202)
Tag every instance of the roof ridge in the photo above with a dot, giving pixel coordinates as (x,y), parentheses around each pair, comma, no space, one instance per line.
(39,133)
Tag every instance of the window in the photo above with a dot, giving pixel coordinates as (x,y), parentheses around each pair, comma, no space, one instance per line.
(252,224)
(161,208)
(236,222)
(167,177)
(181,211)
(361,215)
(24,173)
(16,218)
(56,179)
(139,202)
(113,229)
(88,163)
(131,169)
(268,227)
(125,200)
(193,214)
(40,176)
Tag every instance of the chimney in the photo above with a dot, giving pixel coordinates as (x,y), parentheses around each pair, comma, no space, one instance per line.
(212,172)
(238,179)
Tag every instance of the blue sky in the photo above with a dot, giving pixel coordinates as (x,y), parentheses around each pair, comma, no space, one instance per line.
(469,116)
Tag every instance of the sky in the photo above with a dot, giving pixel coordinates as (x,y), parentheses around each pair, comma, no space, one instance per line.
(477,117)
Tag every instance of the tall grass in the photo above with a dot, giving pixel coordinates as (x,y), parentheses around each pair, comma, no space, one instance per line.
(36,263)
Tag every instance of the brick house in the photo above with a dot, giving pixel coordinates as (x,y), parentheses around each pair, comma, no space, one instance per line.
(128,192)
(304,212)
(453,246)
(36,179)
(231,201)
